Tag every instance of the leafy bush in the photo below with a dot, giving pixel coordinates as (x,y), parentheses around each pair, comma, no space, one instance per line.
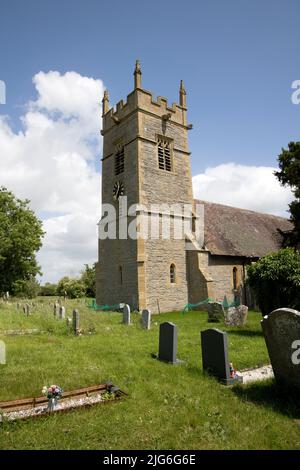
(275,279)
(48,289)
(73,288)
(88,278)
(28,289)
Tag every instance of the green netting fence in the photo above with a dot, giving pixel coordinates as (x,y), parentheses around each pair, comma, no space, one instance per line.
(104,308)
(225,304)
(111,308)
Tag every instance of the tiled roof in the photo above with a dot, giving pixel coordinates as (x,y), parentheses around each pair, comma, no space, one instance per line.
(231,231)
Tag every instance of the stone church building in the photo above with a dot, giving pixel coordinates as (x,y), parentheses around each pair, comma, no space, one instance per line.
(146,158)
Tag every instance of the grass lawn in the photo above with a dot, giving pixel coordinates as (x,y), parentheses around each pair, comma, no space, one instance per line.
(168,407)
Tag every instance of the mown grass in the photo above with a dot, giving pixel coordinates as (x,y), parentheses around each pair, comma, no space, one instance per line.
(168,407)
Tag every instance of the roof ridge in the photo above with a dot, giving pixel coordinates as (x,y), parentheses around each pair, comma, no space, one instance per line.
(241,209)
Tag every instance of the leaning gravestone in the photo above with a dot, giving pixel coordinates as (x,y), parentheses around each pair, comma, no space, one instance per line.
(62,312)
(126,314)
(281,330)
(76,322)
(215,355)
(168,343)
(146,319)
(215,312)
(236,316)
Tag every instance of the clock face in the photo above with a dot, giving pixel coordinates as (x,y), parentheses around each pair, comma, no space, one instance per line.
(118,190)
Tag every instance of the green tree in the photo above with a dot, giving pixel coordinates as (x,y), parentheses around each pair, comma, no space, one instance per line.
(275,279)
(20,238)
(28,288)
(48,289)
(289,175)
(73,288)
(88,277)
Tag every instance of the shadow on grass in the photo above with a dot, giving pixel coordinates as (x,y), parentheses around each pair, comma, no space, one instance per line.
(247,333)
(280,399)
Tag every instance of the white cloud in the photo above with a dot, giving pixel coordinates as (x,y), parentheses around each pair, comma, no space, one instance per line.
(51,161)
(249,187)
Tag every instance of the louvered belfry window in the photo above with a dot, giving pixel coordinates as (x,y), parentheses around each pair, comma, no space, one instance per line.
(164,155)
(119,161)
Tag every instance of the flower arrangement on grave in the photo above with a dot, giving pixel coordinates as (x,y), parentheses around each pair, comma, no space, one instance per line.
(53,393)
(232,371)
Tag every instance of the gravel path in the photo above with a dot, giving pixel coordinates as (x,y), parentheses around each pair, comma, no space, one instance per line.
(259,373)
(42,410)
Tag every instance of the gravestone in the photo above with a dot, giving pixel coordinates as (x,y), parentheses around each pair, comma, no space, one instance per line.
(62,312)
(76,322)
(126,314)
(69,324)
(146,319)
(281,330)
(56,309)
(26,310)
(168,343)
(236,316)
(215,355)
(215,312)
(2,353)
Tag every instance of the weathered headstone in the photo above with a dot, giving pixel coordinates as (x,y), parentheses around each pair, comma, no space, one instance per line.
(236,316)
(168,343)
(2,353)
(146,319)
(215,355)
(69,324)
(62,312)
(56,309)
(281,330)
(126,314)
(76,322)
(215,312)
(26,309)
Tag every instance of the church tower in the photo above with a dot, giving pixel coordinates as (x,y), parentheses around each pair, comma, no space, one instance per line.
(145,158)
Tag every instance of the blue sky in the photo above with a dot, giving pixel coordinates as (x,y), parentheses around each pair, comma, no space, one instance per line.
(238,60)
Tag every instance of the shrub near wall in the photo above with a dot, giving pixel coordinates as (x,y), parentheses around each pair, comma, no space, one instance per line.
(275,279)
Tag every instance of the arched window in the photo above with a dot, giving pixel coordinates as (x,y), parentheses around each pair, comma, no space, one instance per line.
(234,278)
(172,274)
(121,274)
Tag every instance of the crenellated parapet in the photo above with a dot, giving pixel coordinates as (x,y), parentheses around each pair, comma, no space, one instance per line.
(143,101)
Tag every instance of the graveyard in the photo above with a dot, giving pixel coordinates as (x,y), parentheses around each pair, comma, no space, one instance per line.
(168,406)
